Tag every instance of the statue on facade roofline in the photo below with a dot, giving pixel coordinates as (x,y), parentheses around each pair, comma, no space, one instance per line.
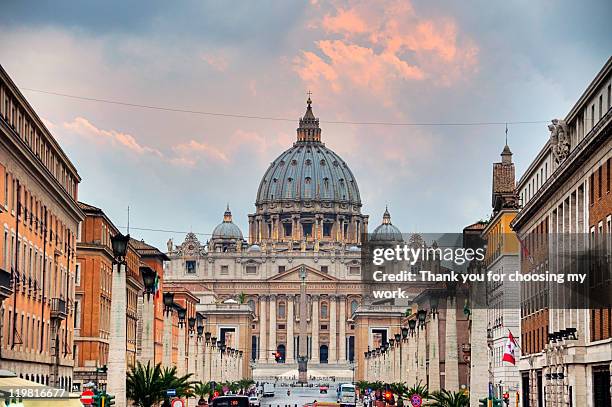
(559,140)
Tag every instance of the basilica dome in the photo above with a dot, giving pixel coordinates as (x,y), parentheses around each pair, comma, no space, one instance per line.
(309,171)
(227,229)
(386,232)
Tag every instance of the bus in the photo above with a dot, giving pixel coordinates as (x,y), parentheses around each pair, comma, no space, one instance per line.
(231,401)
(347,395)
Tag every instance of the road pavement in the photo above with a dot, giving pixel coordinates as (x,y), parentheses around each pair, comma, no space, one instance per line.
(299,396)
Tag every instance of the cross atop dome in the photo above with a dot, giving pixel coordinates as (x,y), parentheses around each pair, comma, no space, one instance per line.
(309,130)
(227,216)
(386,217)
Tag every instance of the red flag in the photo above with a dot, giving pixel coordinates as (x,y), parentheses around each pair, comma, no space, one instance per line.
(509,350)
(525,251)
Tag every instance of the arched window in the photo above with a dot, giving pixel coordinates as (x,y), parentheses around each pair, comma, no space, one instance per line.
(354,305)
(251,305)
(281,309)
(323,354)
(324,310)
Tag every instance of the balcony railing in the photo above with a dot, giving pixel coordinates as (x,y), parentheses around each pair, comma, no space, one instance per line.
(5,285)
(58,308)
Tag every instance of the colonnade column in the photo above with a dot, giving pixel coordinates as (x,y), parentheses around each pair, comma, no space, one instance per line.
(333,338)
(272,347)
(315,329)
(434,353)
(451,361)
(290,321)
(263,343)
(342,357)
(180,363)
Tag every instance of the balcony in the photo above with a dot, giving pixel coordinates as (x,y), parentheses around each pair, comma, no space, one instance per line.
(5,285)
(58,308)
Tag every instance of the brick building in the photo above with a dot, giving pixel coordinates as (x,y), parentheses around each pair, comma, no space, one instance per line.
(39,218)
(567,349)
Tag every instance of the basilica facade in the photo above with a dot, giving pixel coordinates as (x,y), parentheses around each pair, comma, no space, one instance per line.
(307,217)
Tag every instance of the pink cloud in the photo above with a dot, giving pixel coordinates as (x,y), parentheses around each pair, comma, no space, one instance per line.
(217,61)
(189,153)
(382,46)
(84,128)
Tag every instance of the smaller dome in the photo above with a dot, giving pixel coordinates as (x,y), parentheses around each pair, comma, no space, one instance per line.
(254,248)
(227,229)
(386,232)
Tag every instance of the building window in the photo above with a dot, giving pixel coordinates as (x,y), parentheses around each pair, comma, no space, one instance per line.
(327,229)
(77,274)
(190,265)
(224,269)
(324,313)
(251,304)
(354,305)
(307,229)
(251,269)
(324,269)
(281,269)
(287,229)
(354,270)
(282,310)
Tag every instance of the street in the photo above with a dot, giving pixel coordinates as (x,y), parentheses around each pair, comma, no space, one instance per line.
(299,396)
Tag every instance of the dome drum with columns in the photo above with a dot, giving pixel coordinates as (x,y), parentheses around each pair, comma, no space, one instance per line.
(308,194)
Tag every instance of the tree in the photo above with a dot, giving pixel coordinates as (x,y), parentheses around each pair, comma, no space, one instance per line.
(202,390)
(419,389)
(146,385)
(241,298)
(445,398)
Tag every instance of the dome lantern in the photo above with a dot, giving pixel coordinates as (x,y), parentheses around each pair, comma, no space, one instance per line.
(309,130)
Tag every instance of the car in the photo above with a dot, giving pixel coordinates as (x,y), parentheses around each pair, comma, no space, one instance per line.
(254,401)
(323,389)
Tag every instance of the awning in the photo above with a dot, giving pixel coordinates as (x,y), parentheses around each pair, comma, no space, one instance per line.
(6,383)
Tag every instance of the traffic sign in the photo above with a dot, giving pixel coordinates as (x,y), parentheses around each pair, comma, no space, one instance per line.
(416,400)
(87,397)
(178,403)
(171,392)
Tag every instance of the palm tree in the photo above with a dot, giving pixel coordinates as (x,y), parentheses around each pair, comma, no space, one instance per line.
(419,389)
(241,298)
(446,398)
(202,390)
(144,385)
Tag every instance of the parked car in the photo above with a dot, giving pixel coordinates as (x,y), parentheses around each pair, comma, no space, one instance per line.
(323,389)
(254,401)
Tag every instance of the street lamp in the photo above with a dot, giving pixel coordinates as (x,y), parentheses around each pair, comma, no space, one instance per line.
(191,322)
(207,337)
(404,333)
(182,313)
(148,278)
(433,303)
(398,337)
(421,315)
(120,245)
(168,302)
(412,325)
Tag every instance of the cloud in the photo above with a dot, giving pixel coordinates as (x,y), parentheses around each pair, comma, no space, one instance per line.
(217,61)
(83,127)
(189,153)
(381,48)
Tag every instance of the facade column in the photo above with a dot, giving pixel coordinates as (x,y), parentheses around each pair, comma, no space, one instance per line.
(397,376)
(272,323)
(342,356)
(192,366)
(315,329)
(290,322)
(117,363)
(421,355)
(451,361)
(180,363)
(167,335)
(207,363)
(147,349)
(410,359)
(333,337)
(263,343)
(434,353)
(479,382)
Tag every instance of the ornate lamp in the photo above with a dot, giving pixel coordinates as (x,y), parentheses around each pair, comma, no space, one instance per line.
(398,338)
(421,315)
(191,321)
(182,312)
(168,302)
(404,332)
(200,330)
(433,303)
(120,245)
(148,278)
(412,325)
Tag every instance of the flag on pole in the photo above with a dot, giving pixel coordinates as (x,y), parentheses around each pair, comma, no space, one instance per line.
(525,251)
(510,350)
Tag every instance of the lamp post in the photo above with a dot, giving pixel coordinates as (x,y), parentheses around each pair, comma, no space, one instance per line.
(117,366)
(168,300)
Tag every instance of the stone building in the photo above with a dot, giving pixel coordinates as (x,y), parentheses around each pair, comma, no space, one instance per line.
(39,218)
(307,214)
(502,258)
(567,350)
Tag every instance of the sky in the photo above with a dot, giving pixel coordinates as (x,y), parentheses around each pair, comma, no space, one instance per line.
(363,61)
